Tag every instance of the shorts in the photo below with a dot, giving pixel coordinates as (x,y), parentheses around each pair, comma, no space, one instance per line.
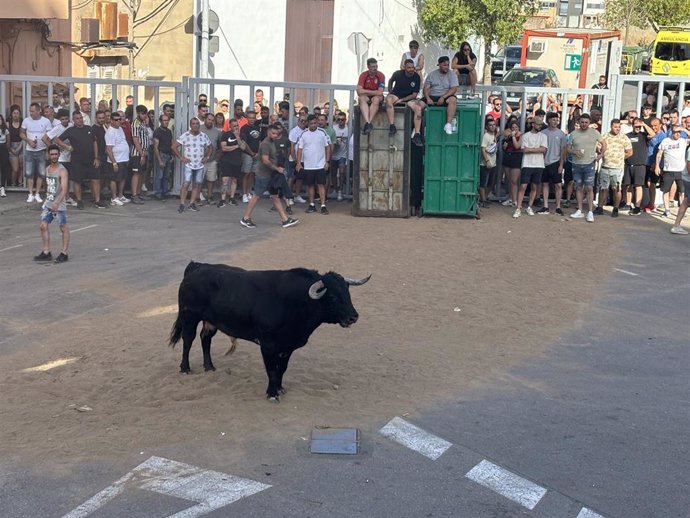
(610,178)
(231,170)
(686,186)
(314,177)
(193,175)
(289,169)
(436,98)
(635,175)
(263,184)
(567,172)
(249,164)
(512,160)
(119,175)
(487,176)
(47,216)
(135,165)
(651,176)
(531,175)
(552,174)
(463,79)
(338,163)
(211,171)
(669,178)
(79,172)
(370,97)
(583,174)
(299,175)
(35,164)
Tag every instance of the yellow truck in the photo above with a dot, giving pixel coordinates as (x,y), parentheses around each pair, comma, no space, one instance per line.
(671,52)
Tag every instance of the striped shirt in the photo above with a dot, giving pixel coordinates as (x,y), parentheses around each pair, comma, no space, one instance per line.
(140,131)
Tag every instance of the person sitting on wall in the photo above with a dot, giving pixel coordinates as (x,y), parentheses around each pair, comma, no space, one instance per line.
(370,92)
(439,90)
(403,88)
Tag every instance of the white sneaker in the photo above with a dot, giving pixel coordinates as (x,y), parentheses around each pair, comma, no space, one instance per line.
(245,198)
(124,199)
(517,213)
(340,195)
(507,203)
(69,201)
(529,211)
(577,214)
(679,231)
(448,128)
(116,202)
(144,188)
(30,198)
(299,199)
(289,202)
(590,217)
(202,197)
(38,199)
(2,192)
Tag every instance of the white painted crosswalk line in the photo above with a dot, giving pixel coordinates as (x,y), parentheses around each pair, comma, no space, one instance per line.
(588,513)
(415,438)
(507,484)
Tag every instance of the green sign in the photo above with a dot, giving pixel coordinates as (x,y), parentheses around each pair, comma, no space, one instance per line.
(573,61)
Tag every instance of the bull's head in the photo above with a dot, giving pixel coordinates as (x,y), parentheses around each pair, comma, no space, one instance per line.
(333,289)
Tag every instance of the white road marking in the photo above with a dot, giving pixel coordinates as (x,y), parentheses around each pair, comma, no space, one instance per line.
(508,484)
(210,490)
(627,272)
(82,228)
(50,365)
(10,248)
(160,310)
(588,513)
(415,438)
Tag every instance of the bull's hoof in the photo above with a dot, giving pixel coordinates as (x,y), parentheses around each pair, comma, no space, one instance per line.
(211,368)
(185,371)
(273,399)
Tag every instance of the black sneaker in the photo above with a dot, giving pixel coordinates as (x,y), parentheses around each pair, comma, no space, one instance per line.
(221,203)
(543,210)
(636,211)
(80,206)
(566,204)
(417,140)
(44,256)
(136,200)
(324,210)
(233,201)
(288,210)
(62,258)
(193,207)
(614,212)
(247,222)
(180,209)
(311,209)
(392,130)
(289,222)
(559,211)
(599,211)
(367,128)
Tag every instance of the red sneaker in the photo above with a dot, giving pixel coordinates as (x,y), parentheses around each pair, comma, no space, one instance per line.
(649,207)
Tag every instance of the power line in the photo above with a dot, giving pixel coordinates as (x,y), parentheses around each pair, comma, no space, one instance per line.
(152,14)
(233,52)
(165,17)
(161,32)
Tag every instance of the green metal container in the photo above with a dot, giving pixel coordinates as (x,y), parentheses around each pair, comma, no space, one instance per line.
(451,162)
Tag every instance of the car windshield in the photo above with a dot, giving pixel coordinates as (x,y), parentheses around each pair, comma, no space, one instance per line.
(669,51)
(525,77)
(514,52)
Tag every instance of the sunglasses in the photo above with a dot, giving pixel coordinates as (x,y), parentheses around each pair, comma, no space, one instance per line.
(498,105)
(115,119)
(340,120)
(637,127)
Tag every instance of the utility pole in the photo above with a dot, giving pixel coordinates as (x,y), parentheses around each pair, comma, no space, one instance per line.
(203,64)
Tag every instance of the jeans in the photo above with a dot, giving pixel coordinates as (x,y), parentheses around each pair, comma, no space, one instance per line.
(162,174)
(35,164)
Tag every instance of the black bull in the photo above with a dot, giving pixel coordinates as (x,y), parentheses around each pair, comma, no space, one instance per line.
(277,309)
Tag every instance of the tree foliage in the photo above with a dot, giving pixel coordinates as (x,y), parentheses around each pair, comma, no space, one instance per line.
(643,13)
(451,21)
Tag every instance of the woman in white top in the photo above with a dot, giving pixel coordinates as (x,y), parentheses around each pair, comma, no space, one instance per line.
(416,57)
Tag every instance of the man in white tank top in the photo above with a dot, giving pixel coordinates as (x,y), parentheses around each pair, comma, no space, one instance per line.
(416,57)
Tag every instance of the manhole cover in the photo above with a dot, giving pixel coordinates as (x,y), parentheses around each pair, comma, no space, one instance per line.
(337,441)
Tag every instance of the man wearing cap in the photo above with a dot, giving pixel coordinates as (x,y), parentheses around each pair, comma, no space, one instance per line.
(370,92)
(439,90)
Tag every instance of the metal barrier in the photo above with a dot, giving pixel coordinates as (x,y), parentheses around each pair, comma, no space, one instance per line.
(631,90)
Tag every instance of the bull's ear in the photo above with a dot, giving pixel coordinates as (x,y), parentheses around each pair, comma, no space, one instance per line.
(356,282)
(317,290)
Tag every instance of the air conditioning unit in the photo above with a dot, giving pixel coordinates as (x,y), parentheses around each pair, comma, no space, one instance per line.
(537,46)
(89,30)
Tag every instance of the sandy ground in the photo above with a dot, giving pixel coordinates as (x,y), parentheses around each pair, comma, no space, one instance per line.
(451,304)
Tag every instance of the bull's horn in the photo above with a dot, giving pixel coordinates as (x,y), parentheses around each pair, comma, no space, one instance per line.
(317,290)
(355,282)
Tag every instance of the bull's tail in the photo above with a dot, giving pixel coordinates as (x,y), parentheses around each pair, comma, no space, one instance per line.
(176,331)
(191,267)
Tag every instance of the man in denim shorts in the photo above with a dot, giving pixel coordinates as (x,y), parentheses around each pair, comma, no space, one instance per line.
(32,130)
(196,151)
(583,146)
(616,147)
(57,187)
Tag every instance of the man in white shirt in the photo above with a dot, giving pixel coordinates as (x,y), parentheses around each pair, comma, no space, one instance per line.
(32,130)
(117,149)
(554,161)
(672,149)
(313,155)
(295,178)
(197,151)
(534,145)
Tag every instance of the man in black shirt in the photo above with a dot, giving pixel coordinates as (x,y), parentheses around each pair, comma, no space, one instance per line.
(99,132)
(230,162)
(251,135)
(264,122)
(636,167)
(84,162)
(404,86)
(163,157)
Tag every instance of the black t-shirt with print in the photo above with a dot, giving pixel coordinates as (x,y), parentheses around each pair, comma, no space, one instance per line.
(263,127)
(233,157)
(282,149)
(81,139)
(639,145)
(404,85)
(252,136)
